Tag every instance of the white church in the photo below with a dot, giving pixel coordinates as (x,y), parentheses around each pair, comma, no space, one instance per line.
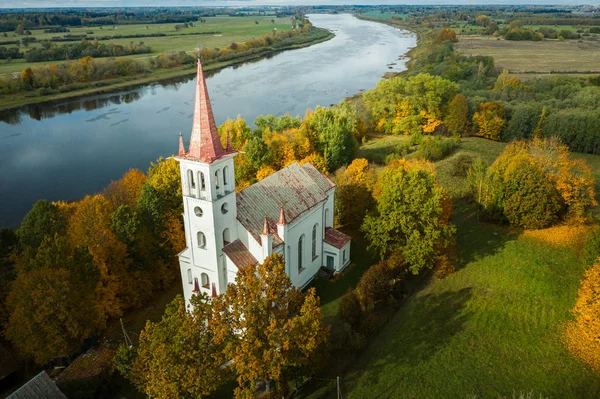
(289,213)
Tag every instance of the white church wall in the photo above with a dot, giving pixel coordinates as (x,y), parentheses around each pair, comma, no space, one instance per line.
(294,231)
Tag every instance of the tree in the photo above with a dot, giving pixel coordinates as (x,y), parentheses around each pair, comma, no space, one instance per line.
(43,220)
(165,177)
(520,125)
(488,121)
(334,128)
(412,215)
(52,304)
(8,246)
(445,34)
(457,119)
(20,30)
(238,131)
(582,333)
(177,357)
(354,195)
(267,326)
(126,190)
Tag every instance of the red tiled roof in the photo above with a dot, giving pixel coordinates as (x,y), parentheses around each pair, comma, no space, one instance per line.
(336,238)
(239,254)
(296,189)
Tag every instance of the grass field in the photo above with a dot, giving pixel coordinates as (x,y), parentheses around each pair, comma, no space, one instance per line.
(232,29)
(493,328)
(528,57)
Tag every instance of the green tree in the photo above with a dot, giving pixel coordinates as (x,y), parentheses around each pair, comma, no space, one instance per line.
(43,220)
(267,326)
(457,119)
(177,357)
(412,215)
(520,125)
(8,246)
(20,30)
(334,128)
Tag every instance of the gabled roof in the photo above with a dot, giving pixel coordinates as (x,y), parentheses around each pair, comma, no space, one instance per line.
(239,254)
(336,238)
(296,189)
(39,387)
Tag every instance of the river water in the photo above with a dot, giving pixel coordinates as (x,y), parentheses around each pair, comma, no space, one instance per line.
(64,150)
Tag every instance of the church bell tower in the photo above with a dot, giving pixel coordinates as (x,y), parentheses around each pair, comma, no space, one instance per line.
(209,202)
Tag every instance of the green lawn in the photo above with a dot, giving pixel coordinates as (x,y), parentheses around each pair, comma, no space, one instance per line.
(492,329)
(232,29)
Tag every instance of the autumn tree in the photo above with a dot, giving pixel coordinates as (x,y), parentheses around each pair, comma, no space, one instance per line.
(412,215)
(457,119)
(126,190)
(237,130)
(164,176)
(52,303)
(177,357)
(582,333)
(354,195)
(9,243)
(488,120)
(267,326)
(445,34)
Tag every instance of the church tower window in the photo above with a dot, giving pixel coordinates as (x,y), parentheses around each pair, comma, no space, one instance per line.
(226,239)
(190,279)
(201,240)
(225,172)
(217,179)
(224,208)
(191,182)
(198,211)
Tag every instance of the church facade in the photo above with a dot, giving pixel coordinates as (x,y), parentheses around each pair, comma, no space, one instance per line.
(289,212)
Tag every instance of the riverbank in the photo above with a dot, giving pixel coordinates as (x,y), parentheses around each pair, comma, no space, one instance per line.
(9,102)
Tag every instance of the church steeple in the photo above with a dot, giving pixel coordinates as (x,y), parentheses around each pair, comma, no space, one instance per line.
(205,144)
(181,147)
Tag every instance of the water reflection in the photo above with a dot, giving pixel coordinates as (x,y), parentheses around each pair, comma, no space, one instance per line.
(71,148)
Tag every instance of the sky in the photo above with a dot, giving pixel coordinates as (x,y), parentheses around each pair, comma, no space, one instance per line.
(139,3)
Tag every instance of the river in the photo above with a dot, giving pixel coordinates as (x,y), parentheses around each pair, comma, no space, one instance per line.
(64,150)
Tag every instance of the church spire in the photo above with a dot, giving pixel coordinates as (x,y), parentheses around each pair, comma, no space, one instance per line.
(205,144)
(282,221)
(181,147)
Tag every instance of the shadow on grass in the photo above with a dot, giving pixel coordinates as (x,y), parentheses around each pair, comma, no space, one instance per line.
(474,238)
(434,321)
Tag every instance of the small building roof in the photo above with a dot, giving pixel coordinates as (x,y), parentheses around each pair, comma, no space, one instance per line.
(295,188)
(239,254)
(336,238)
(39,387)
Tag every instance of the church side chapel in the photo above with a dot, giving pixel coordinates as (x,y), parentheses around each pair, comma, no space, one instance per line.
(289,213)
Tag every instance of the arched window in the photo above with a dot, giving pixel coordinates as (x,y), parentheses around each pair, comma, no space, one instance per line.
(314,240)
(217,179)
(225,177)
(190,279)
(201,181)
(191,182)
(300,250)
(201,240)
(205,280)
(226,238)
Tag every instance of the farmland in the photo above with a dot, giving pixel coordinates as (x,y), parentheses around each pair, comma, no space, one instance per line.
(230,29)
(535,57)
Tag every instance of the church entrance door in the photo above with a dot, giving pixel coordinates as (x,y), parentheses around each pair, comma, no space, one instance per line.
(330,262)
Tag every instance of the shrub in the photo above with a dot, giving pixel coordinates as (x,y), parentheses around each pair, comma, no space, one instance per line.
(461,165)
(350,310)
(436,148)
(375,286)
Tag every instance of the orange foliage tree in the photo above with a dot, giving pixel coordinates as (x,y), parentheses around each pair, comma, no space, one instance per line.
(126,190)
(489,120)
(267,326)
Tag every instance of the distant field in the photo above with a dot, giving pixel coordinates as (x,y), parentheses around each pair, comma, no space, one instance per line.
(233,29)
(377,14)
(547,56)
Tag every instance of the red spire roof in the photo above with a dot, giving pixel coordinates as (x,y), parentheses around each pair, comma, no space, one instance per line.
(205,144)
(214,291)
(181,147)
(265,230)
(281,217)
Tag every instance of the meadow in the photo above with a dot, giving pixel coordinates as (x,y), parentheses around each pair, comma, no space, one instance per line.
(493,328)
(541,57)
(230,29)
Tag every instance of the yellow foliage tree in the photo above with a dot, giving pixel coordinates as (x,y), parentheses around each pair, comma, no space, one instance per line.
(489,121)
(582,334)
(264,171)
(126,190)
